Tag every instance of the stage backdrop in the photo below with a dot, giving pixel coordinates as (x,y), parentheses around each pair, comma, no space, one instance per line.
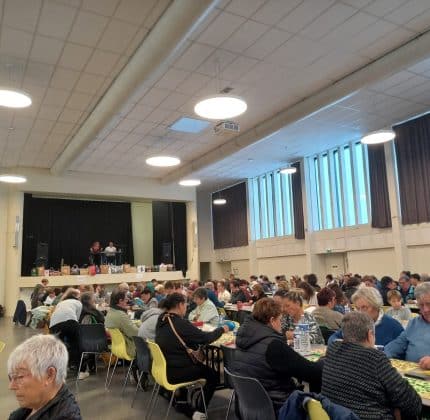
(69,227)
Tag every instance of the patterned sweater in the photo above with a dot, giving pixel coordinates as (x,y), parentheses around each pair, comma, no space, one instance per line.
(363,380)
(288,324)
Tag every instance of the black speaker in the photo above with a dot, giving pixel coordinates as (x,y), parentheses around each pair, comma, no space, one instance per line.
(42,254)
(166,253)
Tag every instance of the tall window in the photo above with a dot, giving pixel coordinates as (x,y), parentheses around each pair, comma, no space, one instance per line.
(271,203)
(339,187)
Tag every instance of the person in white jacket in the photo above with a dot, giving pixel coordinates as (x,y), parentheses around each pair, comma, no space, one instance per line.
(206,311)
(223,294)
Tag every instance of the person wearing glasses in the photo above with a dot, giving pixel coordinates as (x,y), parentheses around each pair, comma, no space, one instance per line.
(37,371)
(369,300)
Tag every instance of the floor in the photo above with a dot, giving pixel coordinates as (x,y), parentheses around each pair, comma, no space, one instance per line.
(95,402)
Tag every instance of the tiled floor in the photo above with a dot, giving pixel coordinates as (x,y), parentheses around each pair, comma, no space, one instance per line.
(95,402)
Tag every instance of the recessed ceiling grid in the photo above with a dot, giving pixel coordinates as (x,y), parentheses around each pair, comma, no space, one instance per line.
(272,53)
(70,53)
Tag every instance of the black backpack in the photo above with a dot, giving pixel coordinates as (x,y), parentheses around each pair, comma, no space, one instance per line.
(20,315)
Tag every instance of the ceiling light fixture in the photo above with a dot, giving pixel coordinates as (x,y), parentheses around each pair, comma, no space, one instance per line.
(190,182)
(163,161)
(13,98)
(220,107)
(378,137)
(219,201)
(12,179)
(288,170)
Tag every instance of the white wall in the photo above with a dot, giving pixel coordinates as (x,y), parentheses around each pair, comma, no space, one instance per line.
(77,185)
(358,249)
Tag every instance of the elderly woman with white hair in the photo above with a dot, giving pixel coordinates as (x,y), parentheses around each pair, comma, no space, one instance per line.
(369,300)
(413,344)
(37,371)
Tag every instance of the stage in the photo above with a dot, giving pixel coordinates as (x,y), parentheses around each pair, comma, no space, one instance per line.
(26,284)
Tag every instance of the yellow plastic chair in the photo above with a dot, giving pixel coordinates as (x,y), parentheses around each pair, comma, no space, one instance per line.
(2,346)
(159,373)
(414,314)
(118,349)
(316,411)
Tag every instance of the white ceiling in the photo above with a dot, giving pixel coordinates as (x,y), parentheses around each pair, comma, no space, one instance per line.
(274,53)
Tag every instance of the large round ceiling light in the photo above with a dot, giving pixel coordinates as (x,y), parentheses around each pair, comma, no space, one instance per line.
(220,107)
(190,182)
(377,137)
(12,179)
(163,161)
(12,98)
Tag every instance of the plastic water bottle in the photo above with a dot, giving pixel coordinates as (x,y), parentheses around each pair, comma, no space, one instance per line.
(221,321)
(347,309)
(305,337)
(297,343)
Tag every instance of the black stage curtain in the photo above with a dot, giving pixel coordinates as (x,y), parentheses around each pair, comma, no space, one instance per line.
(69,227)
(296,186)
(413,156)
(229,221)
(170,234)
(379,199)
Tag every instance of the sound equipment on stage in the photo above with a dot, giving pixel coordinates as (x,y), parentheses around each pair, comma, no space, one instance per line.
(166,252)
(42,254)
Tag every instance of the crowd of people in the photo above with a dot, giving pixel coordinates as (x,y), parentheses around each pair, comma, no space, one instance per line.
(364,321)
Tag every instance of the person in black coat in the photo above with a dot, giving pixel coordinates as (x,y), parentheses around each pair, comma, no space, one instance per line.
(180,367)
(263,353)
(37,371)
(90,314)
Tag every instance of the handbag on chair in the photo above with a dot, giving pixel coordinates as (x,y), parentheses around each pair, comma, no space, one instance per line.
(197,356)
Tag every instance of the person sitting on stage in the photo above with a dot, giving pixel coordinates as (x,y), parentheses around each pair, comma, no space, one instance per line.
(110,253)
(95,250)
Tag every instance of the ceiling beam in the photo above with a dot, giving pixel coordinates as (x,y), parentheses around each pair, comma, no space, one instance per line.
(387,65)
(166,40)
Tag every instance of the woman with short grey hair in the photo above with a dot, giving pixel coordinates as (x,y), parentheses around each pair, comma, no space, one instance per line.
(369,301)
(361,378)
(37,371)
(414,343)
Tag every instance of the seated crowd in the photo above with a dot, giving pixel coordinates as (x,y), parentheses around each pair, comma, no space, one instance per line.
(349,314)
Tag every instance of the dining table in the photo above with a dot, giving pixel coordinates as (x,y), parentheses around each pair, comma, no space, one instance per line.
(405,368)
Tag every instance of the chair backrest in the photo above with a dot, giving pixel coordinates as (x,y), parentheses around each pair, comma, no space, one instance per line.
(254,402)
(118,347)
(92,338)
(228,358)
(159,365)
(326,333)
(143,355)
(2,346)
(316,411)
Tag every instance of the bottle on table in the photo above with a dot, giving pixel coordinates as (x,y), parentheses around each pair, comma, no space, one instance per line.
(297,339)
(305,337)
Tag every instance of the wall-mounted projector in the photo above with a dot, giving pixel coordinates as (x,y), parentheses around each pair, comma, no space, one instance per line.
(226,127)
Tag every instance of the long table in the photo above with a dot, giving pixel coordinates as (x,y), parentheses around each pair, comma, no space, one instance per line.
(317,351)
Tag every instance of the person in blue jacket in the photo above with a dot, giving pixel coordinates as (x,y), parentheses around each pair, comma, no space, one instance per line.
(369,300)
(413,344)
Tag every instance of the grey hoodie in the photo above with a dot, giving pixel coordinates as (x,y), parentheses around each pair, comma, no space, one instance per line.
(149,321)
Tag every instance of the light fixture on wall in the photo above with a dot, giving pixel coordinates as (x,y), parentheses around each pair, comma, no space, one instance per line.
(190,182)
(12,179)
(378,137)
(163,161)
(220,106)
(288,170)
(218,199)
